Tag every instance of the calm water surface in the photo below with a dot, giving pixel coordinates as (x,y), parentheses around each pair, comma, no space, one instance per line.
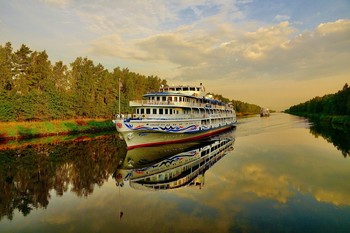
(281,176)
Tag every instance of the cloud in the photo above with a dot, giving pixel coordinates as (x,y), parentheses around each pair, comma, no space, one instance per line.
(272,53)
(319,53)
(333,27)
(257,44)
(174,49)
(128,19)
(115,46)
(57,3)
(206,50)
(202,41)
(279,18)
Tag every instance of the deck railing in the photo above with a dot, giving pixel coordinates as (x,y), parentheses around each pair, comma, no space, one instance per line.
(138,103)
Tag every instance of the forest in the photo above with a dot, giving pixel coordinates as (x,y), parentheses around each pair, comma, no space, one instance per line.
(331,107)
(242,108)
(32,88)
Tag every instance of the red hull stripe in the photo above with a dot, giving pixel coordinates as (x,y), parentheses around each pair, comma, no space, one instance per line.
(211,133)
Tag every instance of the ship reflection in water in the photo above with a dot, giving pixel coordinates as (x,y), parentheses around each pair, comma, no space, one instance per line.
(172,166)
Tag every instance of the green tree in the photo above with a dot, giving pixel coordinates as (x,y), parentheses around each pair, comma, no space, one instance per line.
(83,87)
(21,61)
(6,83)
(331,104)
(60,96)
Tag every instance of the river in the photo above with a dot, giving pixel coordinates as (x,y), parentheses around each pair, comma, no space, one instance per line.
(271,174)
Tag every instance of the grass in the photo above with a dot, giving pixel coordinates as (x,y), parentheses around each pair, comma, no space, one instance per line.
(19,130)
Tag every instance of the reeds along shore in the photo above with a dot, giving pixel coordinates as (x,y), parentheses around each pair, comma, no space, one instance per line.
(25,130)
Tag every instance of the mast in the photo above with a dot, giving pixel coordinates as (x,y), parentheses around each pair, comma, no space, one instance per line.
(119,95)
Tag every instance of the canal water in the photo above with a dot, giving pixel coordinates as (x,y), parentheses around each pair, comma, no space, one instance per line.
(272,174)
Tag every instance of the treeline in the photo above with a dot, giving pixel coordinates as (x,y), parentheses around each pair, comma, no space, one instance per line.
(242,108)
(32,88)
(332,107)
(331,104)
(245,108)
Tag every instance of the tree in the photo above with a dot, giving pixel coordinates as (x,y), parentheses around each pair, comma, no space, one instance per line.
(83,86)
(6,82)
(331,104)
(21,62)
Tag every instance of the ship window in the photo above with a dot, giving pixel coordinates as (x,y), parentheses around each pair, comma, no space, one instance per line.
(163,98)
(166,111)
(160,111)
(192,89)
(198,89)
(154,111)
(170,98)
(148,111)
(142,111)
(158,98)
(171,89)
(137,111)
(185,88)
(175,99)
(171,111)
(180,99)
(178,88)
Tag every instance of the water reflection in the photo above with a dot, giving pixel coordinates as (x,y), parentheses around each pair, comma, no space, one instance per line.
(279,178)
(172,166)
(29,174)
(339,137)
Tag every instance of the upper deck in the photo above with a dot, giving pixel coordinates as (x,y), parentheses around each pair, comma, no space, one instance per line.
(169,101)
(180,96)
(197,91)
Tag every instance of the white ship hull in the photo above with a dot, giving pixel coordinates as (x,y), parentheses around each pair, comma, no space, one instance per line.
(141,136)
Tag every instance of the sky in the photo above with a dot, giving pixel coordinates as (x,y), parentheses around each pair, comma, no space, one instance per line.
(272,53)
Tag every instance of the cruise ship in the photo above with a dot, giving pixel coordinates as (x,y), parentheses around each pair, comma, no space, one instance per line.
(174,114)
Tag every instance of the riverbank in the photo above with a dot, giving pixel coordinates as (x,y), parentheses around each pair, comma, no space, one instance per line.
(25,130)
(38,129)
(337,122)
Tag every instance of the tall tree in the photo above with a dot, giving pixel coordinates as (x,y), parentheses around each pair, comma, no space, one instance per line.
(61,103)
(83,86)
(22,61)
(6,81)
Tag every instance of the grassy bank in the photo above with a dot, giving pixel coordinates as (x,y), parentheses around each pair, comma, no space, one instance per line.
(23,130)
